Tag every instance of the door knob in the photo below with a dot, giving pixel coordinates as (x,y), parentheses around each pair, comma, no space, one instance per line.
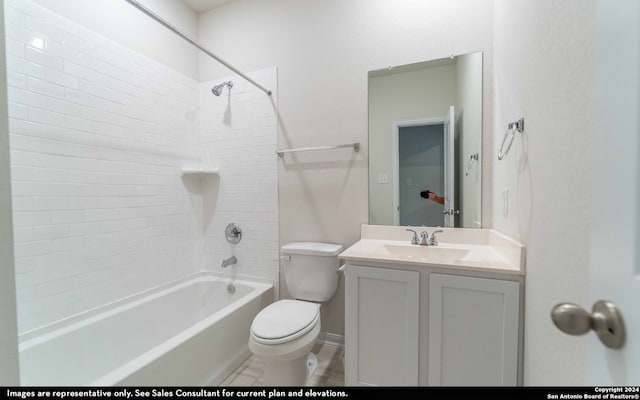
(605,319)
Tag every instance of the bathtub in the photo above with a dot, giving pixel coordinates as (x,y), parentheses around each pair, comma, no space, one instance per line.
(189,332)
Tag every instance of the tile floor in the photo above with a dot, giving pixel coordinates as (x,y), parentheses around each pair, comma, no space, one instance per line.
(330,371)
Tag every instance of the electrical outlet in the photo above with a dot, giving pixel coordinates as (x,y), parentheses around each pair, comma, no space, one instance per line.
(505,202)
(383,178)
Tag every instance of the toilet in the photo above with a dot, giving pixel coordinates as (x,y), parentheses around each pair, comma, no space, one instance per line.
(283,333)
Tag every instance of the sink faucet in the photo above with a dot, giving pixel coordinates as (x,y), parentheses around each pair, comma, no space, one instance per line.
(229,261)
(425,238)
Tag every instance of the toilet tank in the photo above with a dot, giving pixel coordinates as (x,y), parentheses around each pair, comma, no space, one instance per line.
(311,270)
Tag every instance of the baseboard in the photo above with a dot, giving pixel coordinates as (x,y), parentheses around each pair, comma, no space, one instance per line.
(331,338)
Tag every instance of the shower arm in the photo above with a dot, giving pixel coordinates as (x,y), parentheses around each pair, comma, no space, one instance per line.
(194,43)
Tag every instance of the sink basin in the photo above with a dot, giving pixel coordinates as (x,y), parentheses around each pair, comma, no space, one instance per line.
(426,253)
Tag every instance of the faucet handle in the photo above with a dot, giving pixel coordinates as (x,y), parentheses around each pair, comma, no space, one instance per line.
(414,239)
(433,241)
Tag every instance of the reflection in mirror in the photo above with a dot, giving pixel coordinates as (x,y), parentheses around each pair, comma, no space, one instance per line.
(425,140)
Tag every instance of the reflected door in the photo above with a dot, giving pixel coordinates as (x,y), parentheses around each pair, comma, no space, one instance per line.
(449,170)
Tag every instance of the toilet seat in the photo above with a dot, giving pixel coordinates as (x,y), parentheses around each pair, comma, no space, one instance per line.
(284,321)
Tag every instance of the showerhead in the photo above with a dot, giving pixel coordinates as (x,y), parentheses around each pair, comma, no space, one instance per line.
(217,90)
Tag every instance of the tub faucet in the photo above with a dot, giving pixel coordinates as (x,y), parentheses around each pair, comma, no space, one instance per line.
(229,261)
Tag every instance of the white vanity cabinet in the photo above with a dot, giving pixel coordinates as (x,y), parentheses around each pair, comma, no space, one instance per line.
(473,331)
(381,337)
(424,325)
(448,314)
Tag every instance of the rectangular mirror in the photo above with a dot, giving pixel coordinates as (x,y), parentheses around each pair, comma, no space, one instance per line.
(425,142)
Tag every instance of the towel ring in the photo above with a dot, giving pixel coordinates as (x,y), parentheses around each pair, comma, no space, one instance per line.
(513,127)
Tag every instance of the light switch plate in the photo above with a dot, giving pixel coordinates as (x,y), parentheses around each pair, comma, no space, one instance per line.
(505,202)
(383,178)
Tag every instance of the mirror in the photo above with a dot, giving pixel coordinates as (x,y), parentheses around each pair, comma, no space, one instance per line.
(425,142)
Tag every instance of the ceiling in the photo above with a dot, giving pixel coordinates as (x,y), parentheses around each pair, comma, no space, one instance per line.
(204,5)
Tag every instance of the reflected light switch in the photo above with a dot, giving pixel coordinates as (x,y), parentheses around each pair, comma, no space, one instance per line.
(383,178)
(409,181)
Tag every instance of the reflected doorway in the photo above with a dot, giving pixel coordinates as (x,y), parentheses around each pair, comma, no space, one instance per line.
(420,168)
(423,160)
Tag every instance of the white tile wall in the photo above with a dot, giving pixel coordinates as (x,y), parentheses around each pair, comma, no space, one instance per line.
(239,135)
(98,137)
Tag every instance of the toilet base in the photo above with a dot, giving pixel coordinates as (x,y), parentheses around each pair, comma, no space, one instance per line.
(290,373)
(312,364)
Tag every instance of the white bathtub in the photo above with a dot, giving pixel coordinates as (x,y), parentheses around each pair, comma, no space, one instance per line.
(190,332)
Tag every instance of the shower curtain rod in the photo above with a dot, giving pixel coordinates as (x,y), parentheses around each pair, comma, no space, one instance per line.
(194,43)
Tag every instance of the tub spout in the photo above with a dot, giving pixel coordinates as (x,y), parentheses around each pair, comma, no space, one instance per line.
(229,261)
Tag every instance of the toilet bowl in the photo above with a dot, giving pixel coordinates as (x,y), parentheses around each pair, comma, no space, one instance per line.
(283,333)
(282,336)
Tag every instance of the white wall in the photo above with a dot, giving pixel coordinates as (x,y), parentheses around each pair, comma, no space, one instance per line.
(323,50)
(9,375)
(403,96)
(543,71)
(125,24)
(238,134)
(98,138)
(469,85)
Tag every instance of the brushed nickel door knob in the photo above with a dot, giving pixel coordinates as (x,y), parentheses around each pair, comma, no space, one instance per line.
(605,319)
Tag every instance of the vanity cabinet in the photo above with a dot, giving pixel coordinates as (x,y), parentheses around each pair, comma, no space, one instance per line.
(409,326)
(381,334)
(473,331)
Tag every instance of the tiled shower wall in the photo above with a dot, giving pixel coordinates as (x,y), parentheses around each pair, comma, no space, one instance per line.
(238,133)
(98,137)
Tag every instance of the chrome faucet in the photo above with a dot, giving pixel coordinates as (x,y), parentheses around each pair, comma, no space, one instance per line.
(229,261)
(425,238)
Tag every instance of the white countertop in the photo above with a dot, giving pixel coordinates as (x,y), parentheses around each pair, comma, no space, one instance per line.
(470,249)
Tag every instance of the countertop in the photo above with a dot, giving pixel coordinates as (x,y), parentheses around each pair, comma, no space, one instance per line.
(483,250)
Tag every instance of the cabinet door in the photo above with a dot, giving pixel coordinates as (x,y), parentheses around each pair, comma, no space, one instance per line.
(381,330)
(473,331)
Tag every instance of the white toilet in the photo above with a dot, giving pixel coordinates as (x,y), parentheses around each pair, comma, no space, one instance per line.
(283,333)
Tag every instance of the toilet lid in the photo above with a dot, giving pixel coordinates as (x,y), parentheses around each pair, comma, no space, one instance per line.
(285,319)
